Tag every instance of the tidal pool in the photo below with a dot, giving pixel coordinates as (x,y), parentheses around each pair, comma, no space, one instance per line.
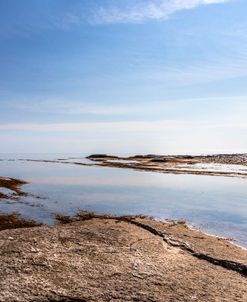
(214,204)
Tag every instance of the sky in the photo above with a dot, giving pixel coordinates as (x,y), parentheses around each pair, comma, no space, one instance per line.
(123,76)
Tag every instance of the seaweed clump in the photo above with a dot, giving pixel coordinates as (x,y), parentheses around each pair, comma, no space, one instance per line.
(14,221)
(13,185)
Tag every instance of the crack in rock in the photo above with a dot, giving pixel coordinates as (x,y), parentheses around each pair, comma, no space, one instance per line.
(227,264)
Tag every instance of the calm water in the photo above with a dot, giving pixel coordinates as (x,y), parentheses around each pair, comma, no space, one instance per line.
(217,205)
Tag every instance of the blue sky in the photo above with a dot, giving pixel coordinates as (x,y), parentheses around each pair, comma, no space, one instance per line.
(128,76)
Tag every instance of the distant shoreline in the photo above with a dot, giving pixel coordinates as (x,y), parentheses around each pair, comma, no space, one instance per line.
(231,165)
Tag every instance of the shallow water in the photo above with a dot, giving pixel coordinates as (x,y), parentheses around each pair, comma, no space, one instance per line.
(217,205)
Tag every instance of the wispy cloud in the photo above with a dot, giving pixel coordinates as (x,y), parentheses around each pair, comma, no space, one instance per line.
(204,72)
(157,10)
(131,126)
(164,136)
(159,126)
(68,107)
(38,23)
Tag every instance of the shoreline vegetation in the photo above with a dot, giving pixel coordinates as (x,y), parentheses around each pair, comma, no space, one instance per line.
(91,257)
(13,186)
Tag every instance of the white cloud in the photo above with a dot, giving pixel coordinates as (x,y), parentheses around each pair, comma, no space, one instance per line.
(131,126)
(205,72)
(164,136)
(157,10)
(68,107)
(128,126)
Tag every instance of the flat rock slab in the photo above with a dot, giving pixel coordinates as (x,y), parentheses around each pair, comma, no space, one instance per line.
(114,260)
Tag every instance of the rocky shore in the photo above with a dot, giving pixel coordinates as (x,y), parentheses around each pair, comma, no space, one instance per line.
(229,165)
(92,257)
(212,165)
(13,186)
(103,258)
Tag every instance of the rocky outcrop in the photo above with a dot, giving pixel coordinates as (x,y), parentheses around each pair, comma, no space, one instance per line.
(214,165)
(103,258)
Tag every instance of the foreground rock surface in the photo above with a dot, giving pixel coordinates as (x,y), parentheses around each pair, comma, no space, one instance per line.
(114,259)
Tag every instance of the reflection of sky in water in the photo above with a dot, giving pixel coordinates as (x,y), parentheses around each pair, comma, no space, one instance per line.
(6,191)
(216,204)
